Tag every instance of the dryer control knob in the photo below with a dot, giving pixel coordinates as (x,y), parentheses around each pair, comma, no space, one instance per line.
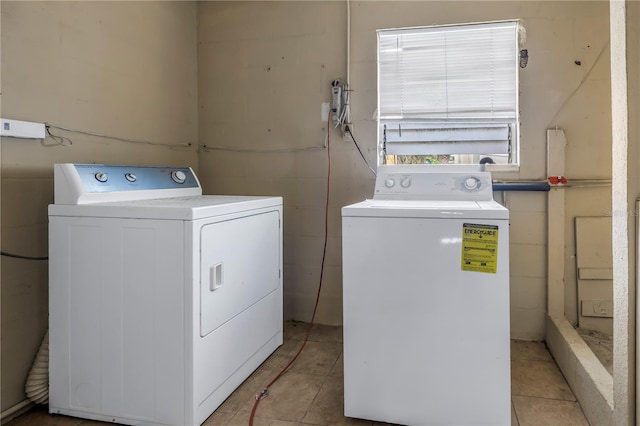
(405,182)
(130,177)
(178,176)
(389,183)
(471,183)
(101,177)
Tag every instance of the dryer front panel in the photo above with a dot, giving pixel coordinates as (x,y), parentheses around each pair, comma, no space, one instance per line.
(239,266)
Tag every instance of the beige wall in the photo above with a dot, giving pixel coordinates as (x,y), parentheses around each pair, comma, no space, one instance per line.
(265,68)
(253,78)
(126,69)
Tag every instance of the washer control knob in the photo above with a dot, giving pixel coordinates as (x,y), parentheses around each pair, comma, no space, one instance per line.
(130,177)
(178,176)
(405,182)
(101,177)
(471,183)
(389,183)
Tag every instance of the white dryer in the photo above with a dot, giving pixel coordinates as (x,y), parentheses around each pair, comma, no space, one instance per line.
(426,300)
(161,300)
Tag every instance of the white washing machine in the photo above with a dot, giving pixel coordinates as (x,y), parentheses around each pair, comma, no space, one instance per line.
(426,300)
(161,300)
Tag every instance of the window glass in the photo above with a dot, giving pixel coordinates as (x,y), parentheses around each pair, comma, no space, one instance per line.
(448,94)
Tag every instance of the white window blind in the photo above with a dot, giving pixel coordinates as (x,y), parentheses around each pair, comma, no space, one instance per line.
(448,89)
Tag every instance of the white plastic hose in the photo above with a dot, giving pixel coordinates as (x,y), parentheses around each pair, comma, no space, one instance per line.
(37,386)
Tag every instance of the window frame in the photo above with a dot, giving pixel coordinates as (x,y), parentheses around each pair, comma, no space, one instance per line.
(409,136)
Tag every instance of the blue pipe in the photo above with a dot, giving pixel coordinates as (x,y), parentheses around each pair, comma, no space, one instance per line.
(522,186)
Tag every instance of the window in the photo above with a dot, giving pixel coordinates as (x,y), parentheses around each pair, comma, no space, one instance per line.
(448,94)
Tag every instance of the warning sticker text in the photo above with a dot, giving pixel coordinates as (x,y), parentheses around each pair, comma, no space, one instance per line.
(479,248)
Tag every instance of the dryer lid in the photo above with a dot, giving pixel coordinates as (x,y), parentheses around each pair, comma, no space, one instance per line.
(178,208)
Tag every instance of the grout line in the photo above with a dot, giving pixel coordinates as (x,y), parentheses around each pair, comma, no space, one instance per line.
(335,363)
(315,397)
(515,413)
(542,397)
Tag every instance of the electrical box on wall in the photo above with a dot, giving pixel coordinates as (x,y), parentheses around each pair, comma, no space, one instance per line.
(21,129)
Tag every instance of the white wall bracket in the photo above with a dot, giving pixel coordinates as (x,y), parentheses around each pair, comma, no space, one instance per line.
(21,129)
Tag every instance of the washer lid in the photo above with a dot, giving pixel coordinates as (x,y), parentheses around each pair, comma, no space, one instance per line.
(427,209)
(178,208)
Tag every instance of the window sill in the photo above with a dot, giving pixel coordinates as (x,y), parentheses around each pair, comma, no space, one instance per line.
(502,168)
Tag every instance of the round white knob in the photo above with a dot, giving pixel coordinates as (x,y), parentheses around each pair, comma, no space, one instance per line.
(405,182)
(101,177)
(471,183)
(130,177)
(389,183)
(178,176)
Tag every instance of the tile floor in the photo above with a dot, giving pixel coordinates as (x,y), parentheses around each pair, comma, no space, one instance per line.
(311,392)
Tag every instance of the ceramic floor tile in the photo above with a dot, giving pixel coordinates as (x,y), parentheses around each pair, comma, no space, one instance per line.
(317,358)
(350,422)
(531,351)
(218,418)
(242,419)
(289,398)
(338,368)
(319,333)
(246,391)
(326,333)
(282,355)
(548,412)
(328,407)
(514,418)
(539,379)
(294,330)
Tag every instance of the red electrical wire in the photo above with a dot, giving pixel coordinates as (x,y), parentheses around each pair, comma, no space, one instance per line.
(265,391)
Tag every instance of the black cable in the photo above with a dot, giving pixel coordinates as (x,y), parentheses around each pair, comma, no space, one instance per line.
(348,130)
(116,138)
(19,256)
(59,139)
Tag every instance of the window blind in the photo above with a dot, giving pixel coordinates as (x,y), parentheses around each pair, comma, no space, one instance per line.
(462,78)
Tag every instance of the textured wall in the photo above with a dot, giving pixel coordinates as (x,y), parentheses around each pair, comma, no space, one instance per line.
(265,68)
(252,76)
(126,69)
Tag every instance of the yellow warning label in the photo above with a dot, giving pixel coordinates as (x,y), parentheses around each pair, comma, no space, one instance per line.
(479,248)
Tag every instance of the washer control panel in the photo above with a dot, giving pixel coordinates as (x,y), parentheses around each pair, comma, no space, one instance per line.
(394,182)
(472,183)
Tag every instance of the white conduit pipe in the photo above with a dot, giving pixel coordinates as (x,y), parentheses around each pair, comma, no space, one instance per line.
(349,58)
(37,386)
